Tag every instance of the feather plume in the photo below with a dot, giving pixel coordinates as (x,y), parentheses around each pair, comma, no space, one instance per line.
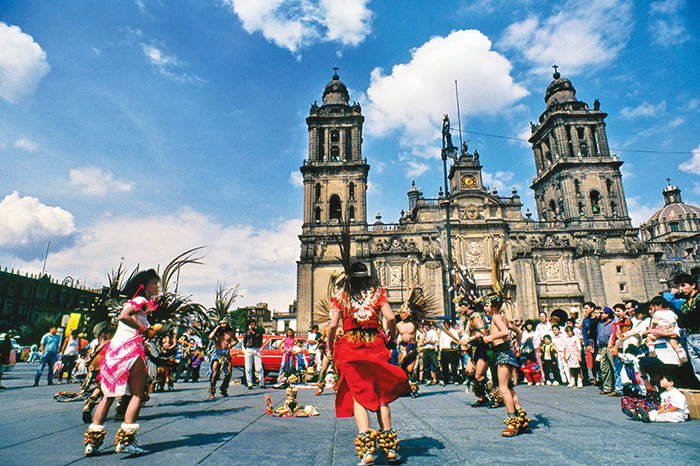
(322,310)
(188,257)
(223,302)
(419,305)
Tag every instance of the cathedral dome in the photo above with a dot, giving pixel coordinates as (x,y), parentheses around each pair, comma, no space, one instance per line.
(674,219)
(560,90)
(336,92)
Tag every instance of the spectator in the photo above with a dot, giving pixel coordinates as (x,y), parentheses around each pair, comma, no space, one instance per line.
(34,354)
(287,348)
(196,364)
(299,360)
(642,321)
(689,318)
(549,361)
(673,406)
(664,321)
(543,328)
(49,354)
(449,354)
(607,362)
(621,324)
(312,339)
(631,308)
(252,342)
(69,353)
(431,370)
(558,340)
(5,351)
(572,357)
(587,326)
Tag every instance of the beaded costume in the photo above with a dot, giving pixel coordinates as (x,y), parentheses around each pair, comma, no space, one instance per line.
(361,355)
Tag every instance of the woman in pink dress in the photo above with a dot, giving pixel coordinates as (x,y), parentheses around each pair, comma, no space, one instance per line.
(123,368)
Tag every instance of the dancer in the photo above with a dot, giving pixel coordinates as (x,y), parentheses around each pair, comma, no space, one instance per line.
(224,338)
(504,360)
(123,369)
(477,349)
(412,313)
(367,381)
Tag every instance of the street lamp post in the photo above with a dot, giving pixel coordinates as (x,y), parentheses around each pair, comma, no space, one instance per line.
(448,150)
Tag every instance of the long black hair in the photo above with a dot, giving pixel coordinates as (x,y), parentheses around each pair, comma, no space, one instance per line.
(137,285)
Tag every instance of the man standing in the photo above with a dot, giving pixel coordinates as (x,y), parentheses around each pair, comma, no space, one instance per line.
(312,344)
(252,342)
(49,354)
(449,354)
(607,363)
(588,346)
(430,358)
(689,318)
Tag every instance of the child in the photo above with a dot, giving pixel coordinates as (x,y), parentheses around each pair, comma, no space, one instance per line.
(572,356)
(196,363)
(663,320)
(531,372)
(673,406)
(287,355)
(558,340)
(298,351)
(549,361)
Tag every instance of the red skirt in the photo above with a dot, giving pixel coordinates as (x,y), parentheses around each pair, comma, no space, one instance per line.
(366,376)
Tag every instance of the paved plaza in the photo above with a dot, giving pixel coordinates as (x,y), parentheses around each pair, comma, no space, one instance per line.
(183,427)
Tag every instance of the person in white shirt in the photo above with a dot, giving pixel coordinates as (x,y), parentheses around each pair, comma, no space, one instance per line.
(430,359)
(673,406)
(559,342)
(449,354)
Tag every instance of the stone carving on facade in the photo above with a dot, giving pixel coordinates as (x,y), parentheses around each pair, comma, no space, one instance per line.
(634,245)
(590,245)
(396,275)
(553,271)
(474,252)
(319,250)
(396,244)
(519,246)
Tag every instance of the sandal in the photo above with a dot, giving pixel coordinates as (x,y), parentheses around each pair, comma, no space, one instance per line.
(367,460)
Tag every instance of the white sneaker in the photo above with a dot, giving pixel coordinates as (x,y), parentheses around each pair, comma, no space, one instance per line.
(571,385)
(530,383)
(549,382)
(555,383)
(538,384)
(579,384)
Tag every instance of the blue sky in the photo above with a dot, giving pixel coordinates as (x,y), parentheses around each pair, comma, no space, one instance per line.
(138,129)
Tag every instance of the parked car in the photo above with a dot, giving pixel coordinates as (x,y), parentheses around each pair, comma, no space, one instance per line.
(270,352)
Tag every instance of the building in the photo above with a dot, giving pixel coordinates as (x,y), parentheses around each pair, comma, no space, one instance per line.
(581,247)
(673,234)
(261,314)
(282,321)
(24,298)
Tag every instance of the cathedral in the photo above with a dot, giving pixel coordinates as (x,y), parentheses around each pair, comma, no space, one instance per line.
(582,246)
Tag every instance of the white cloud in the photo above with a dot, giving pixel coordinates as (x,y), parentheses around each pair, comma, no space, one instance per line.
(413,98)
(667,25)
(692,165)
(579,34)
(22,63)
(26,225)
(644,110)
(26,145)
(262,261)
(500,181)
(94,182)
(639,213)
(296,24)
(167,65)
(296,179)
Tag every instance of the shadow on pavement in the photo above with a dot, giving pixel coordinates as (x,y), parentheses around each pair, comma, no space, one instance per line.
(193,414)
(420,446)
(538,421)
(189,441)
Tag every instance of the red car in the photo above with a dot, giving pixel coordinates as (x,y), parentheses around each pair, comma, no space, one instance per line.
(270,352)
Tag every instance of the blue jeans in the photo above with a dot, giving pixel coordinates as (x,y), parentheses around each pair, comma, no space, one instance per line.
(49,358)
(693,342)
(619,366)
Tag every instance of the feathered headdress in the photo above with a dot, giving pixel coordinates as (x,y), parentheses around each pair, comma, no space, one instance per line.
(223,301)
(418,306)
(351,268)
(463,280)
(502,282)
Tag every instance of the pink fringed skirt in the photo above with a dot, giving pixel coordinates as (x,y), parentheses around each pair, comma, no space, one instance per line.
(116,365)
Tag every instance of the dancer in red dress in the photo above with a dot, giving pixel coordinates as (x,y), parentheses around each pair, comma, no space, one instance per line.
(367,381)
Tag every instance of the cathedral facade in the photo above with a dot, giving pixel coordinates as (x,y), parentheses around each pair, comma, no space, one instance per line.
(581,247)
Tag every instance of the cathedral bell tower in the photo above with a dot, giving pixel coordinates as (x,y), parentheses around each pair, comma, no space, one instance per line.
(335,174)
(578,180)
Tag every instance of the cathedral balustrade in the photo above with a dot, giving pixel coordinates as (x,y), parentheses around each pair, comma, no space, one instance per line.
(383,227)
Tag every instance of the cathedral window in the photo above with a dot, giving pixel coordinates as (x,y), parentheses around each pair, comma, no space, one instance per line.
(581,211)
(335,154)
(348,144)
(351,190)
(335,136)
(553,209)
(317,191)
(317,215)
(321,143)
(548,157)
(609,184)
(674,226)
(584,149)
(613,209)
(577,186)
(336,212)
(595,201)
(351,213)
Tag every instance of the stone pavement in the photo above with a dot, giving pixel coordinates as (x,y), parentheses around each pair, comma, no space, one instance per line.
(183,427)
